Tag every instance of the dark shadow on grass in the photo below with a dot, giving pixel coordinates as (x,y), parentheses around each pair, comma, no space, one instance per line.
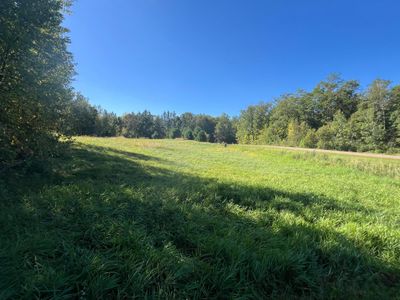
(107,227)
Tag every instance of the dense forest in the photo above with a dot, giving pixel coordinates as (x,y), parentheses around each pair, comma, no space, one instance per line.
(39,107)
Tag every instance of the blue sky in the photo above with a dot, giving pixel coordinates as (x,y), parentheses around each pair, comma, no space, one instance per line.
(214,56)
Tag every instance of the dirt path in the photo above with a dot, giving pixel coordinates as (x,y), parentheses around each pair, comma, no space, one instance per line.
(373,155)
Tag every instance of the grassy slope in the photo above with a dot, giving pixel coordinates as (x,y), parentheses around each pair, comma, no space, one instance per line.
(182,219)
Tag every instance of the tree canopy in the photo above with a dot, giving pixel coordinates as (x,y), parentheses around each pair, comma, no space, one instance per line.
(35,75)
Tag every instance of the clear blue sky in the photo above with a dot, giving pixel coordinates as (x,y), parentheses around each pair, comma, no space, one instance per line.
(214,56)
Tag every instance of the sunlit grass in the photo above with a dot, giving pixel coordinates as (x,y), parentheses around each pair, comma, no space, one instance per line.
(141,218)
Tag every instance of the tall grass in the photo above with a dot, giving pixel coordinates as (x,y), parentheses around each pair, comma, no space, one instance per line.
(380,167)
(122,218)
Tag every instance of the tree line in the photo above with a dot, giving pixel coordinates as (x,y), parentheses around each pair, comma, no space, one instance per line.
(336,114)
(86,119)
(39,108)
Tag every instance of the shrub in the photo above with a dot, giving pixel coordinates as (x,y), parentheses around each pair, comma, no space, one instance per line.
(174,133)
(325,136)
(200,135)
(188,134)
(310,140)
(296,132)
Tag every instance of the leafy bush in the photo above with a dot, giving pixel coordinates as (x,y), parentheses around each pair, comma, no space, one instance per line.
(188,134)
(310,140)
(325,136)
(174,133)
(200,135)
(296,132)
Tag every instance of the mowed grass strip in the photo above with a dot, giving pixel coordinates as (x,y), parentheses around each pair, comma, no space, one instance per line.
(125,218)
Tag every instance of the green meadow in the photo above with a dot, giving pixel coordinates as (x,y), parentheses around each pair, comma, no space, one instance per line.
(172,219)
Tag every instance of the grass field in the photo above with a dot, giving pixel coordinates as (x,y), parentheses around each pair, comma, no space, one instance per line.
(125,218)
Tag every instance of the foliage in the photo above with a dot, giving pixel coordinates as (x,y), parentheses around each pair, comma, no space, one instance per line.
(334,115)
(188,134)
(107,124)
(207,124)
(174,133)
(310,140)
(159,132)
(251,122)
(224,130)
(342,135)
(343,117)
(326,136)
(81,117)
(296,132)
(35,75)
(138,125)
(200,135)
(335,95)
